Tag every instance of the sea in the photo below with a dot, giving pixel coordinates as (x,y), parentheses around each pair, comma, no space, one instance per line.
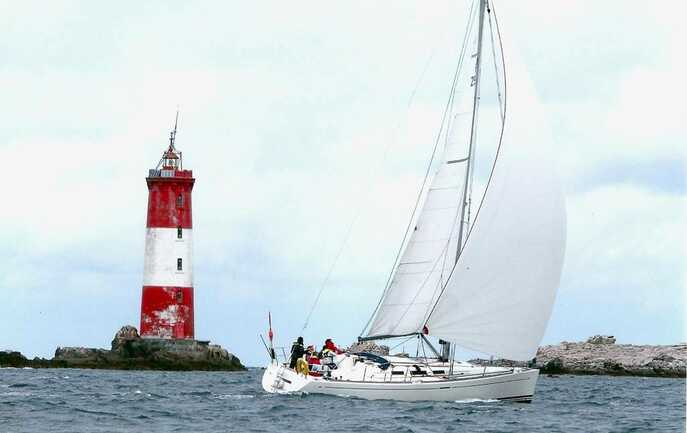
(74,400)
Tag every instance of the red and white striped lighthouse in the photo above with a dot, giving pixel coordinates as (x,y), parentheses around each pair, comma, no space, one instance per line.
(167,300)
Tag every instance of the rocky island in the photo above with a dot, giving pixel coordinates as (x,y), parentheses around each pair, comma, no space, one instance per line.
(131,352)
(599,355)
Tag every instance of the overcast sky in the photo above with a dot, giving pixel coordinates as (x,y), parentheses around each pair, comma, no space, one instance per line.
(295,118)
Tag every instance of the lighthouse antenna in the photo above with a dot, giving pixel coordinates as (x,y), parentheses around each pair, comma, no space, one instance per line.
(173,134)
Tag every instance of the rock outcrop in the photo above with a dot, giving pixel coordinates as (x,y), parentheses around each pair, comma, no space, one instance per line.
(10,358)
(600,355)
(131,352)
(369,347)
(124,334)
(601,339)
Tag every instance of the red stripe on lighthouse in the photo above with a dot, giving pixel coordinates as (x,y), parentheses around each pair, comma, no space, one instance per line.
(167,312)
(169,202)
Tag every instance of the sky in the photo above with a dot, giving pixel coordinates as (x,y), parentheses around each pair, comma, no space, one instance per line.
(308,126)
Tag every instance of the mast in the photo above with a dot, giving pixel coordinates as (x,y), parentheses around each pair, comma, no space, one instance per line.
(473,127)
(447,349)
(389,329)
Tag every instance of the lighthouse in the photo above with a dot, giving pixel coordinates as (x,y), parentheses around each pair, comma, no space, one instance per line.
(167,297)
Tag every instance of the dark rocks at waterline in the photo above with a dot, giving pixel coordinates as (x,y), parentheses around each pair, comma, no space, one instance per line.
(9,358)
(600,355)
(131,352)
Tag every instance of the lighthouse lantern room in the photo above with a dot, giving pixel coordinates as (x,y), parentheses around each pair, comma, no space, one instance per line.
(167,298)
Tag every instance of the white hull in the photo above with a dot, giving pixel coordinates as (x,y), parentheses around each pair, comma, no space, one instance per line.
(493,383)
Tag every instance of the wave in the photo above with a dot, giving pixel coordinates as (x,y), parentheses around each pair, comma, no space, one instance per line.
(477,400)
(22,385)
(233,396)
(95,412)
(16,394)
(198,393)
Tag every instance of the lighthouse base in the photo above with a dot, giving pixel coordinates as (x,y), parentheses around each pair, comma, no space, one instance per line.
(131,352)
(167,312)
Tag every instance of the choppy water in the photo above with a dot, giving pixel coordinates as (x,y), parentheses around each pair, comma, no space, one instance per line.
(67,400)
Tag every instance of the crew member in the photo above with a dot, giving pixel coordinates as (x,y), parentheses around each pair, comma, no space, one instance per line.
(330,348)
(297,351)
(311,355)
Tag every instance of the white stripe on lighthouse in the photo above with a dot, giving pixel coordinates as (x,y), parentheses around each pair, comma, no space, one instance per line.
(163,249)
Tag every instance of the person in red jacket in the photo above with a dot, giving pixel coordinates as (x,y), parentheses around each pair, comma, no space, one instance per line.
(330,347)
(314,363)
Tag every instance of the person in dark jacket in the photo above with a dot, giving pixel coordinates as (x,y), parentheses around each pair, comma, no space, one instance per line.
(297,351)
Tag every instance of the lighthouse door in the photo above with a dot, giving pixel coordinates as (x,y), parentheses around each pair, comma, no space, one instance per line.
(179,324)
(179,329)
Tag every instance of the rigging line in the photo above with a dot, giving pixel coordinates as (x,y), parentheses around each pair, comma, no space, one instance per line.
(411,99)
(419,82)
(498,152)
(387,285)
(461,59)
(331,269)
(496,69)
(424,355)
(402,342)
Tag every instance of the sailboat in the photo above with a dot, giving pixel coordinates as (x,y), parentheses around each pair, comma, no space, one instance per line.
(484,282)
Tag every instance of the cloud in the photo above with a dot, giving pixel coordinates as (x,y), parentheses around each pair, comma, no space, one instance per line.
(295,120)
(628,239)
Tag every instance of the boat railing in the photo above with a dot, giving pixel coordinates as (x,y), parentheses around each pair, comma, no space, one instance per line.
(283,356)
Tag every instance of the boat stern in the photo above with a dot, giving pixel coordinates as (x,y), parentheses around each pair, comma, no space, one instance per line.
(279,379)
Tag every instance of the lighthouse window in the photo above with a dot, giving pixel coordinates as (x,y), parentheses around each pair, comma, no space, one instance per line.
(180,233)
(179,267)
(180,200)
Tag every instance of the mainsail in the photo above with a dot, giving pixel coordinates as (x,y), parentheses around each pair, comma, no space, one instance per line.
(430,254)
